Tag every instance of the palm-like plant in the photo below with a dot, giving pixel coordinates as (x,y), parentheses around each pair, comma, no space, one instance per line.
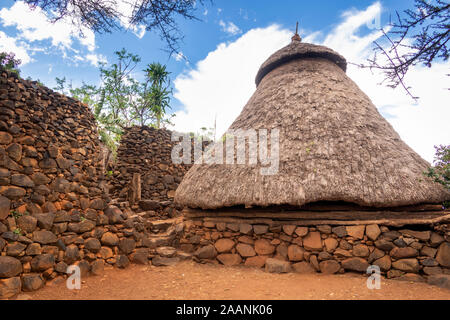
(158,94)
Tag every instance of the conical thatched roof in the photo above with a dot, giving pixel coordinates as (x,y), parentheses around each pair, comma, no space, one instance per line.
(334,144)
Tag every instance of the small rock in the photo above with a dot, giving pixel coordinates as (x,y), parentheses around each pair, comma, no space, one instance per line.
(44,237)
(355,264)
(9,267)
(443,254)
(224,245)
(384,245)
(92,244)
(441,280)
(122,261)
(303,267)
(206,252)
(164,262)
(45,220)
(15,249)
(432,270)
(27,223)
(140,256)
(330,244)
(109,239)
(313,241)
(373,231)
(421,235)
(329,266)
(127,245)
(436,239)
(340,231)
(166,252)
(97,267)
(10,287)
(407,265)
(72,254)
(42,262)
(5,205)
(289,229)
(429,262)
(245,250)
(277,266)
(295,253)
(361,250)
(401,253)
(324,228)
(229,259)
(245,228)
(32,282)
(256,262)
(105,253)
(301,231)
(356,232)
(263,247)
(384,263)
(260,229)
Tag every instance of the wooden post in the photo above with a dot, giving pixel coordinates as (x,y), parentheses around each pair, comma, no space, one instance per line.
(135,188)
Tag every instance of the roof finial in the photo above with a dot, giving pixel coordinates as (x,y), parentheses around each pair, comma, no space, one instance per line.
(296,37)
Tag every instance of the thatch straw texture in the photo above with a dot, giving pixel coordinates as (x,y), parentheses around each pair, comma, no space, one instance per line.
(334,145)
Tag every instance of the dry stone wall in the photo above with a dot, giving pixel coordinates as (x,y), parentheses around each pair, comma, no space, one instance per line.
(282,247)
(54,206)
(147,151)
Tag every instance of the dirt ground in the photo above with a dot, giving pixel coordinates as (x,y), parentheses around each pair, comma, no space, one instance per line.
(191,281)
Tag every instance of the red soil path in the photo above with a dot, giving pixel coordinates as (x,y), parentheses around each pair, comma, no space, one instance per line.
(189,280)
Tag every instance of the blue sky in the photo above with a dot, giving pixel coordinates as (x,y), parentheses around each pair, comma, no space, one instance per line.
(201,37)
(224,51)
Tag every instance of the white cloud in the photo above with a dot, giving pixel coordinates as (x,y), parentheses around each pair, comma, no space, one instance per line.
(221,83)
(230,28)
(33,25)
(8,44)
(95,59)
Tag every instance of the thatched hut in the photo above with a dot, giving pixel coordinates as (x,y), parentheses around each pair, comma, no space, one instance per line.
(340,161)
(334,144)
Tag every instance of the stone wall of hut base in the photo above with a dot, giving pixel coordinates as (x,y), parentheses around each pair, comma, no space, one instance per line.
(403,253)
(54,206)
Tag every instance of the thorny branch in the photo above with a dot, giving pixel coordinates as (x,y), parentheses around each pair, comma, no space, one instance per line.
(421,37)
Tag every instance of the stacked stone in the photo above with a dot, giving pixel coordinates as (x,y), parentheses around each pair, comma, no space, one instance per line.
(402,253)
(54,211)
(147,151)
(51,242)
